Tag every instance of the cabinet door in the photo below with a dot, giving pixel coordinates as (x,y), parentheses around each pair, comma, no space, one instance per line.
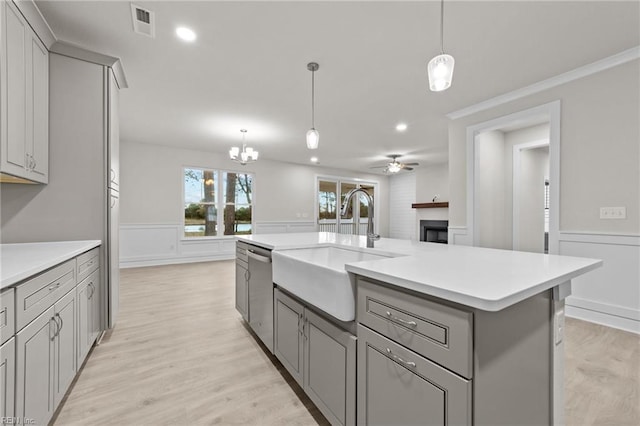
(7,377)
(35,368)
(65,345)
(84,335)
(261,295)
(288,337)
(38,121)
(113,262)
(242,295)
(114,133)
(330,369)
(95,307)
(397,386)
(14,90)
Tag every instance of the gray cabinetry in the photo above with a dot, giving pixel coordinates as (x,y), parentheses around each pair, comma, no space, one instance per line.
(242,280)
(319,355)
(288,320)
(396,386)
(24,94)
(260,289)
(89,292)
(46,363)
(7,315)
(7,377)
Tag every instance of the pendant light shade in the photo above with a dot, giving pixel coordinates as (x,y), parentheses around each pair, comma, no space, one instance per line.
(440,71)
(440,68)
(313,137)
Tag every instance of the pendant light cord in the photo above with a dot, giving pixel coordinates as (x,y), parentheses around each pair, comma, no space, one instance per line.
(442,26)
(313,99)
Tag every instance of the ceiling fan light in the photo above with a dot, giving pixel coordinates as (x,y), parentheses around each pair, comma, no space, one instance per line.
(440,70)
(255,155)
(394,167)
(313,137)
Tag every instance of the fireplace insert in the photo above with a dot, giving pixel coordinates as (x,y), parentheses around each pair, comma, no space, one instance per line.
(434,231)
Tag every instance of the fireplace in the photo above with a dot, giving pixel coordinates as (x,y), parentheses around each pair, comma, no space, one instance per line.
(434,231)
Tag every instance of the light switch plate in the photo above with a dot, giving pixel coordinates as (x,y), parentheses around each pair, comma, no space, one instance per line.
(613,212)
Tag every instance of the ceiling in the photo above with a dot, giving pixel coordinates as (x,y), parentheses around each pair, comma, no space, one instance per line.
(248,68)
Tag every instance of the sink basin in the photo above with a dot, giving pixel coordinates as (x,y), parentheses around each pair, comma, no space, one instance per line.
(317,276)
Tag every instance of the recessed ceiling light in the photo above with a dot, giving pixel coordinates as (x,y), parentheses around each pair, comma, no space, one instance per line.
(185,34)
(401,127)
(314,159)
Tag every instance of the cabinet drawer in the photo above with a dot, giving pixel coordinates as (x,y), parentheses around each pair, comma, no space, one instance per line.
(438,332)
(7,315)
(87,262)
(36,295)
(242,250)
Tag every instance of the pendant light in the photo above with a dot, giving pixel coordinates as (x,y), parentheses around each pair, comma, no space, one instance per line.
(440,68)
(312,135)
(247,155)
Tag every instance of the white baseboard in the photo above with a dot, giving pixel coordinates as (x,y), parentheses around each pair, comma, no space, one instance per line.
(172,261)
(613,321)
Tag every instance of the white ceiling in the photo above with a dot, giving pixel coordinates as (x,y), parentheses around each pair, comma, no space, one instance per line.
(247,69)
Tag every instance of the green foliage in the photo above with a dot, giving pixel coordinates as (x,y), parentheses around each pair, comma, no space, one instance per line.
(194,211)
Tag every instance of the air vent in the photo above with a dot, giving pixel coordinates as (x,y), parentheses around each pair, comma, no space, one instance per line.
(143,22)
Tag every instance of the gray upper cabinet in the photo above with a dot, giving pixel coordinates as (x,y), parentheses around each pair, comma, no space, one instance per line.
(24,100)
(398,387)
(319,355)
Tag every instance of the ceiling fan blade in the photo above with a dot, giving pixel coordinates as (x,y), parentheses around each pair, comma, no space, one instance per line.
(379,167)
(407,168)
(411,164)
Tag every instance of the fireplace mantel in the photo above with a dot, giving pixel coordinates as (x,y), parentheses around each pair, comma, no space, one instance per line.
(444,204)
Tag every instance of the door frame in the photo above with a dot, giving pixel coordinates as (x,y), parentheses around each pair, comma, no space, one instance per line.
(551,111)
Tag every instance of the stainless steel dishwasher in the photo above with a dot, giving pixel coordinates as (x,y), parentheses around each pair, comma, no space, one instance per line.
(260,287)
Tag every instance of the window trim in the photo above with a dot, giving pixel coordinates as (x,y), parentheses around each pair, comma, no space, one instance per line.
(219,204)
(343,179)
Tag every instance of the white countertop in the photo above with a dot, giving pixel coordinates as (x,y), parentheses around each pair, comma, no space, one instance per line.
(20,261)
(486,279)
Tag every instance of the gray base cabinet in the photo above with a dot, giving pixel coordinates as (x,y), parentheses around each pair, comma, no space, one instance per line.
(89,324)
(7,377)
(242,280)
(319,355)
(398,387)
(46,363)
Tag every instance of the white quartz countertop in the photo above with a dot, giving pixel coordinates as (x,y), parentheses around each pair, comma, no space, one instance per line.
(486,279)
(20,261)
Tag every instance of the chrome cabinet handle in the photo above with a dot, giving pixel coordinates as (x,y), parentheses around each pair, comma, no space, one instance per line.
(61,323)
(410,364)
(401,321)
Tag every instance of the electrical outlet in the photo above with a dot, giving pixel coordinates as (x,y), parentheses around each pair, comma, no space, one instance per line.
(613,212)
(559,327)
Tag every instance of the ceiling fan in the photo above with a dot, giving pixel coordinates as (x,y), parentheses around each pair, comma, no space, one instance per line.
(394,166)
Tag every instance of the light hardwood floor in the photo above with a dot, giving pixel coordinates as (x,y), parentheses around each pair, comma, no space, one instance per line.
(180,354)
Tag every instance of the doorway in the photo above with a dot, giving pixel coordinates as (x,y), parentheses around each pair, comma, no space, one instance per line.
(513,181)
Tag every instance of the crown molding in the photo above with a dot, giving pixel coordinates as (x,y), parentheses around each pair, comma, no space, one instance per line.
(575,74)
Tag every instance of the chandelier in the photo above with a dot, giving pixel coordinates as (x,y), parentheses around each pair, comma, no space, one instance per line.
(244,156)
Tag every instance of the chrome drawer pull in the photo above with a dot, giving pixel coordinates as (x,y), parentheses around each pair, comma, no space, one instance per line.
(400,360)
(401,321)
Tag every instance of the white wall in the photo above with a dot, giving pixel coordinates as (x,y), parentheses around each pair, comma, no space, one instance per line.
(599,167)
(152,205)
(432,180)
(402,218)
(534,167)
(490,213)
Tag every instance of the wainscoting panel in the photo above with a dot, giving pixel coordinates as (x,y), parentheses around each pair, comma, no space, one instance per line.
(610,295)
(459,235)
(162,244)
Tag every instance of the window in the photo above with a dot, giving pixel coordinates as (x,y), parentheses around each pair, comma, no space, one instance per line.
(329,204)
(216,202)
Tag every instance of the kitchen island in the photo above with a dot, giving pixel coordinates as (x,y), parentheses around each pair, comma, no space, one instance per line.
(445,334)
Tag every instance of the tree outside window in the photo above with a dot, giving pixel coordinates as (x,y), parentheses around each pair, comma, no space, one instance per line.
(212,197)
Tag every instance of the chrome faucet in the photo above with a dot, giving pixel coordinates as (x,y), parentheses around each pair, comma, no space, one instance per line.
(371,236)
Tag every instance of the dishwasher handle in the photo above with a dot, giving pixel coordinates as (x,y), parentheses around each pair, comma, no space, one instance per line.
(259,258)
